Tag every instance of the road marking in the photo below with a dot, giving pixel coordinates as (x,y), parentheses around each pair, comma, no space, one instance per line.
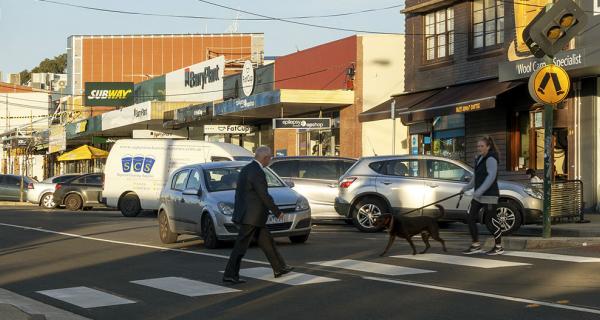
(371,267)
(73,235)
(462,261)
(488,295)
(85,297)
(183,286)
(292,278)
(35,307)
(550,256)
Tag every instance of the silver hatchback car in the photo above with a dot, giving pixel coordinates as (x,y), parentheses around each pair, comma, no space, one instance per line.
(199,199)
(375,185)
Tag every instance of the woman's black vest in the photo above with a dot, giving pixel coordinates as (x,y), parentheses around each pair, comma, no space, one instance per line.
(481,173)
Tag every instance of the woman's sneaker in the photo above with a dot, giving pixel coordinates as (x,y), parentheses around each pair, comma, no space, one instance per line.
(495,251)
(474,248)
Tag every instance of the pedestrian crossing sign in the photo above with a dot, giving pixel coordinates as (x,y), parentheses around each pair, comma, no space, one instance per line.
(549,84)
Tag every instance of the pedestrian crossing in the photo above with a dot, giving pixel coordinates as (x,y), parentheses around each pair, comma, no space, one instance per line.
(308,275)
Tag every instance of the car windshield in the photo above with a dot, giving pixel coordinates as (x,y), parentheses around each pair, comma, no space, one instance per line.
(223,179)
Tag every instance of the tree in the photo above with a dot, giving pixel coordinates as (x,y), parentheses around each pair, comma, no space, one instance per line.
(57,64)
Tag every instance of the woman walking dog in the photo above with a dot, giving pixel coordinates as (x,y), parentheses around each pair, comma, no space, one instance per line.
(485,195)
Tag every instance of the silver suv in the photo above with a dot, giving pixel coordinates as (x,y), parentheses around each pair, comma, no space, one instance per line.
(199,199)
(376,185)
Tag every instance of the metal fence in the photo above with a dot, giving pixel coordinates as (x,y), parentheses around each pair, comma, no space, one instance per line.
(567,199)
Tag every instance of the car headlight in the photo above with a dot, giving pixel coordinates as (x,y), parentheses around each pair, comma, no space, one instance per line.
(302,204)
(225,208)
(534,192)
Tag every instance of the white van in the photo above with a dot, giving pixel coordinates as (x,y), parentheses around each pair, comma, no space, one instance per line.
(136,169)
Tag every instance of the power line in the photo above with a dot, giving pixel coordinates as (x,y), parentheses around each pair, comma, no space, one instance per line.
(334,15)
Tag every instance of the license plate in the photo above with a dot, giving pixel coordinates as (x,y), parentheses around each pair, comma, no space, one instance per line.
(272,219)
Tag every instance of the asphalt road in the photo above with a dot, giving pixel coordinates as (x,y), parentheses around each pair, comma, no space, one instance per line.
(100,265)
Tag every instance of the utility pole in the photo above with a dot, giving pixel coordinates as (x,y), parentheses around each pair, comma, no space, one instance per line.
(393,110)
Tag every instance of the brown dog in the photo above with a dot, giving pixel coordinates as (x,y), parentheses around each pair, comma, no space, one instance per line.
(407,227)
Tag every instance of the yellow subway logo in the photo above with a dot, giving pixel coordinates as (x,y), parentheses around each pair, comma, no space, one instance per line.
(116,94)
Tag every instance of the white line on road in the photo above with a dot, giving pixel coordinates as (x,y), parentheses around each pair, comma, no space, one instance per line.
(85,297)
(462,261)
(487,295)
(73,235)
(550,256)
(292,278)
(371,267)
(35,307)
(183,286)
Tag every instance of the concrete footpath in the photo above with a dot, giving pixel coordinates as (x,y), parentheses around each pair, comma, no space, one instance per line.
(563,234)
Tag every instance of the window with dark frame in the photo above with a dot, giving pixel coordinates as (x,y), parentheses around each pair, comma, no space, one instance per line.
(488,23)
(439,34)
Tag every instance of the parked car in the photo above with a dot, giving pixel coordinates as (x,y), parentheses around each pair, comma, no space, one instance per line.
(199,199)
(316,178)
(399,183)
(80,192)
(10,187)
(42,193)
(137,169)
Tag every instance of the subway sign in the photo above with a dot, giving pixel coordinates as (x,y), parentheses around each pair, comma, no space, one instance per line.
(113,94)
(302,123)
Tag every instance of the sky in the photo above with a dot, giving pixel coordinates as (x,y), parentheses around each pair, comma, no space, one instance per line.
(32,30)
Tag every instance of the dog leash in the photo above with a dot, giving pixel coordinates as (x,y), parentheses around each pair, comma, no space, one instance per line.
(434,203)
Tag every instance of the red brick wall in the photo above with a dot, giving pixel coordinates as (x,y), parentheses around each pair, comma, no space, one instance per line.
(329,62)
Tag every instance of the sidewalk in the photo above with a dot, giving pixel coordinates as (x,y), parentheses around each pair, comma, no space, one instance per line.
(563,234)
(16,204)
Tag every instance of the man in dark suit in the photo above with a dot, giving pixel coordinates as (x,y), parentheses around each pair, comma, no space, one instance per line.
(251,209)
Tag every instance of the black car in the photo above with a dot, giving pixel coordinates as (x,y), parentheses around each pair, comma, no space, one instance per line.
(316,178)
(81,192)
(10,186)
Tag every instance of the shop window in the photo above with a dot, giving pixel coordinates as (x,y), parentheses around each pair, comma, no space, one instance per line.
(439,34)
(488,23)
(320,142)
(449,137)
(444,170)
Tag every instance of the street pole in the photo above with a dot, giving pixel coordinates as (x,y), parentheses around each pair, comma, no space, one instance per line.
(548,168)
(393,110)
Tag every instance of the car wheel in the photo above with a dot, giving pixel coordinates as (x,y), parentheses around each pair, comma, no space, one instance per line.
(130,205)
(209,234)
(509,218)
(299,239)
(47,201)
(73,202)
(166,236)
(365,212)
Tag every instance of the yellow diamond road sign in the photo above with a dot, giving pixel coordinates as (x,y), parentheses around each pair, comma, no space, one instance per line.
(549,84)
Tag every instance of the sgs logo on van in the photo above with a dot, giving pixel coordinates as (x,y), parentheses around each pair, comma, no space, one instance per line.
(138,163)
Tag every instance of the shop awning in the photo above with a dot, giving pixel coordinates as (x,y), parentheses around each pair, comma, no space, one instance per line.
(419,106)
(403,102)
(84,152)
(284,103)
(458,99)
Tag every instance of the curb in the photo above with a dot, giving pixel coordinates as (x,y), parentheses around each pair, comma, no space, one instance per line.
(8,311)
(523,243)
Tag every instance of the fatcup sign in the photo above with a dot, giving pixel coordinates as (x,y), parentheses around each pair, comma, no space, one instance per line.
(199,82)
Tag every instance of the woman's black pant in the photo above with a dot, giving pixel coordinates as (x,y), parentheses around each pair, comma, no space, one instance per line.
(473,217)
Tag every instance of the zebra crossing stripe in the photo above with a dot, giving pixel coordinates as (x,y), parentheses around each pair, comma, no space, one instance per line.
(462,261)
(85,297)
(371,267)
(550,256)
(292,278)
(183,286)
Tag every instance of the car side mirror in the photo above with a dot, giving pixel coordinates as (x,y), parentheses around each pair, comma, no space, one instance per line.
(466,178)
(192,192)
(289,182)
